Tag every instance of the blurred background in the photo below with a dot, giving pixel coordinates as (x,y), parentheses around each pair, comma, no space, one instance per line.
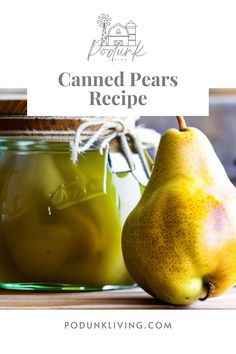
(220,126)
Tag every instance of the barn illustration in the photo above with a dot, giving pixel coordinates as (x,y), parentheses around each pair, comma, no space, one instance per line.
(122,35)
(117,34)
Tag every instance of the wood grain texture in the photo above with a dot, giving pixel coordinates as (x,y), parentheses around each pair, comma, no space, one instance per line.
(40,123)
(121,299)
(13,107)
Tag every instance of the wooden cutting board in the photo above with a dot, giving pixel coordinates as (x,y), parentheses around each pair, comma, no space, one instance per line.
(121,299)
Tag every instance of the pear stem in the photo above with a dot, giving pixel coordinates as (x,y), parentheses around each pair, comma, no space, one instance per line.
(210,288)
(182,123)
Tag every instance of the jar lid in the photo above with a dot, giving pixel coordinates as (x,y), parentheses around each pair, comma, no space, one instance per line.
(38,125)
(84,133)
(13,107)
(43,125)
(13,101)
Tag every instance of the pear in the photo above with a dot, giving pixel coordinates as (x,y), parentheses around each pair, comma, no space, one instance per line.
(61,222)
(179,243)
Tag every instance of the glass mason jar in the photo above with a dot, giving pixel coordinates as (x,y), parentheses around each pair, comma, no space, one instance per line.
(61,219)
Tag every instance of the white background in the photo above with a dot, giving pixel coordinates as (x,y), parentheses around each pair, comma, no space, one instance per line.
(196,40)
(43,332)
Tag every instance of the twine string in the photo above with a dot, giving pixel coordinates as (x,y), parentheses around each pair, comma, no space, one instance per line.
(78,147)
(84,140)
(107,140)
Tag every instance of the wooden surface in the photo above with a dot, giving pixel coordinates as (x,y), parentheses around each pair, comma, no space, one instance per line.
(122,299)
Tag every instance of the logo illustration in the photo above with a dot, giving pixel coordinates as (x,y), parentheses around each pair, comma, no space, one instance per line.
(117,42)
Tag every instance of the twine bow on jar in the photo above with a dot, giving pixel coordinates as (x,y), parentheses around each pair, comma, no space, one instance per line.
(85,138)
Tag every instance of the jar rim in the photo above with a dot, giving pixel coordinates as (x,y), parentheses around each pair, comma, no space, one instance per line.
(29,144)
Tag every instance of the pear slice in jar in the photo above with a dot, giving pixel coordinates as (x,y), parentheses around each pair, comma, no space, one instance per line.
(26,180)
(65,225)
(105,264)
(41,251)
(23,195)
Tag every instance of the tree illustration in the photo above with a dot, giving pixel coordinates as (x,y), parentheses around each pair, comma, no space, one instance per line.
(104,21)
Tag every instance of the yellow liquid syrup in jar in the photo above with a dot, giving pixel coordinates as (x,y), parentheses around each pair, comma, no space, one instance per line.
(61,220)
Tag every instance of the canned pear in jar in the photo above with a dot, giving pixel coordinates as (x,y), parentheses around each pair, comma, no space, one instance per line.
(62,209)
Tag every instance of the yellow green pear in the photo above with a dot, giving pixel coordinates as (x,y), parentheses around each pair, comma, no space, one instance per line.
(179,243)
